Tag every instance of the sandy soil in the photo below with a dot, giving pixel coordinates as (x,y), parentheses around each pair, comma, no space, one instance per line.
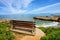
(38,35)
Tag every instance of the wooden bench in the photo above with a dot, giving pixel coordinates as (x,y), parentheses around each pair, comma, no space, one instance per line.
(27,27)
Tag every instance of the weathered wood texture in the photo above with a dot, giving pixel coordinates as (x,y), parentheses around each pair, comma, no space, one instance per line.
(26,24)
(23,26)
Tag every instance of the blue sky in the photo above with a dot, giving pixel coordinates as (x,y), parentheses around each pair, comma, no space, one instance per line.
(29,6)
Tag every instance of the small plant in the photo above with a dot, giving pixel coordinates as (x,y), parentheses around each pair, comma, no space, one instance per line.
(52,36)
(48,30)
(5,34)
(51,33)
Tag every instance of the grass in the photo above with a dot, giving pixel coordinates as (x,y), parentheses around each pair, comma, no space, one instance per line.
(51,33)
(5,33)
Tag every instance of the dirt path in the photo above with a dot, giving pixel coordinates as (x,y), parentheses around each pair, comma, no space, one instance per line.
(37,36)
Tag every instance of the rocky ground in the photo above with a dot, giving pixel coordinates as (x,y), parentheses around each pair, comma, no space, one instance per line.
(38,35)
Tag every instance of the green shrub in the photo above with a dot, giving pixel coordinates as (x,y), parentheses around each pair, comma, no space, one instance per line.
(48,30)
(43,38)
(52,36)
(9,35)
(51,33)
(5,34)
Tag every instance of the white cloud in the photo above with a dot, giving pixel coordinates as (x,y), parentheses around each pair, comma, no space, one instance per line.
(41,9)
(12,10)
(18,5)
(7,3)
(52,12)
(26,2)
(22,3)
(18,11)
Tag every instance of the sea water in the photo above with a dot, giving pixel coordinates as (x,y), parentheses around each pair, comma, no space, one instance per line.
(29,17)
(42,23)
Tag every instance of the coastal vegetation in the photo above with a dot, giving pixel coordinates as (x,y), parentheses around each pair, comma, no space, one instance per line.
(51,33)
(5,33)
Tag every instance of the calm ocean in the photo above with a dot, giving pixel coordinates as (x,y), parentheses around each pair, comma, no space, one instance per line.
(29,17)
